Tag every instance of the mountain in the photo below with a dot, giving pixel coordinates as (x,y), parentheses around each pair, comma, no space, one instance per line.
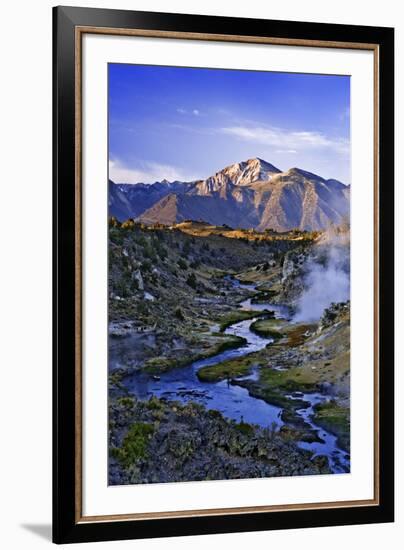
(131,200)
(249,194)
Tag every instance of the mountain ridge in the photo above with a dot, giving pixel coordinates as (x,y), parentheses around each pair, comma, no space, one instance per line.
(248,194)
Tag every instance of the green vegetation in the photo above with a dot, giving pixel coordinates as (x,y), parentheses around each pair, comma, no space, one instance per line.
(268,328)
(263,296)
(168,287)
(154,404)
(134,444)
(292,379)
(191,280)
(237,316)
(227,370)
(126,402)
(334,418)
(332,412)
(297,334)
(245,429)
(178,314)
(220,343)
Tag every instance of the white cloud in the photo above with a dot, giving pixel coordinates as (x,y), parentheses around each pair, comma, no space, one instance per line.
(182,111)
(286,139)
(146,172)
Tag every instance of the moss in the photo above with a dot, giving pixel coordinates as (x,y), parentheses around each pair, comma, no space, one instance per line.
(134,444)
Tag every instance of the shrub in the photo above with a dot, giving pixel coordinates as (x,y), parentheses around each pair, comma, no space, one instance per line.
(191,280)
(126,402)
(142,308)
(179,314)
(154,403)
(186,249)
(162,252)
(146,265)
(182,264)
(134,444)
(245,428)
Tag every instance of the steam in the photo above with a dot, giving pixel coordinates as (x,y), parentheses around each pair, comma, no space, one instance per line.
(326,281)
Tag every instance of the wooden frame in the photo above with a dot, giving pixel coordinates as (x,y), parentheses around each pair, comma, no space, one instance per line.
(70,24)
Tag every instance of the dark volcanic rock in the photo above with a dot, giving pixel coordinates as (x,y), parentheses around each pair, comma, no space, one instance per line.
(189,444)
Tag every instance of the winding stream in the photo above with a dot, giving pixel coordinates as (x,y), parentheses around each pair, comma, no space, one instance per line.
(233,401)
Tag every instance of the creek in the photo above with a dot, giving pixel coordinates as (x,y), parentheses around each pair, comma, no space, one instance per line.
(233,401)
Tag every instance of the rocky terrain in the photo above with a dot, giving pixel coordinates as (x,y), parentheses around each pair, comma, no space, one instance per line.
(169,441)
(167,286)
(206,318)
(250,194)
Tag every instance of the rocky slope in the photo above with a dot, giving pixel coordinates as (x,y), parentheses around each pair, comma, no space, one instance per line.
(169,327)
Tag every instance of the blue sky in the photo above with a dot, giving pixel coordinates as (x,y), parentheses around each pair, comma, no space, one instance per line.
(188,123)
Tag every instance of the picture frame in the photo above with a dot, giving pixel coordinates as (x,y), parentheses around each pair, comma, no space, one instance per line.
(70,26)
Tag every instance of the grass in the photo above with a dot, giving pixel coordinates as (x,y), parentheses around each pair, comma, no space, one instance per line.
(332,413)
(134,444)
(236,316)
(262,297)
(297,334)
(292,379)
(226,370)
(268,328)
(335,419)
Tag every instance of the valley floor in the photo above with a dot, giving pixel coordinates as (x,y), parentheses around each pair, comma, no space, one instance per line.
(210,377)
